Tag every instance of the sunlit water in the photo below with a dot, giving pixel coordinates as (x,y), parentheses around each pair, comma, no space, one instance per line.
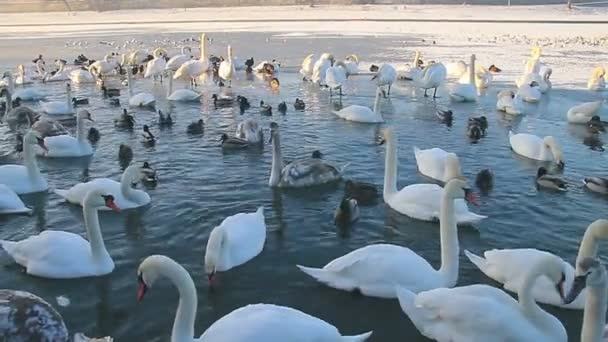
(200,185)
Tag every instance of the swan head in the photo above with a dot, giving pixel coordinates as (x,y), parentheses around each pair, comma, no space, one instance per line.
(32,138)
(452,166)
(550,142)
(456,188)
(589,272)
(149,271)
(386,135)
(316,154)
(274,131)
(98,198)
(84,114)
(213,253)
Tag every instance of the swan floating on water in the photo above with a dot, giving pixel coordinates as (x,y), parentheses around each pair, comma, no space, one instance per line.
(10,203)
(363,114)
(61,146)
(534,147)
(466,92)
(25,179)
(582,113)
(437,164)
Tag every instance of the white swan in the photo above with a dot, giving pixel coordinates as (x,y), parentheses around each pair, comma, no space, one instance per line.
(23,77)
(60,107)
(157,65)
(181,95)
(299,173)
(226,69)
(82,75)
(25,179)
(456,69)
(63,255)
(419,201)
(359,113)
(437,164)
(508,266)
(335,77)
(530,92)
(61,146)
(376,269)
(176,61)
(582,113)
(431,77)
(252,323)
(142,99)
(534,147)
(509,103)
(60,75)
(24,94)
(481,313)
(544,85)
(483,77)
(238,239)
(250,131)
(125,197)
(351,63)
(320,68)
(102,68)
(307,67)
(10,203)
(466,92)
(385,77)
(194,68)
(592,275)
(597,81)
(410,72)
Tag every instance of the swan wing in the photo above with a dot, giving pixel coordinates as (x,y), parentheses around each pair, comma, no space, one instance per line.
(307,172)
(527,145)
(141,100)
(17,179)
(359,113)
(184,95)
(307,65)
(10,203)
(176,61)
(245,236)
(431,162)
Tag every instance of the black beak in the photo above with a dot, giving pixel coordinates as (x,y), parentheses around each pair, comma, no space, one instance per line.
(577,287)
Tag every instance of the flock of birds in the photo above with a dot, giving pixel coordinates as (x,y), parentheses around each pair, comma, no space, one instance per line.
(428,296)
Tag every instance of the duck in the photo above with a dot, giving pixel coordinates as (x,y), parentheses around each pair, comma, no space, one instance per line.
(181,95)
(246,65)
(196,67)
(462,313)
(250,131)
(320,68)
(164,120)
(222,100)
(125,197)
(335,77)
(93,135)
(257,322)
(233,142)
(376,270)
(109,92)
(582,113)
(466,92)
(265,109)
(79,101)
(418,201)
(437,164)
(62,146)
(385,77)
(446,116)
(534,147)
(363,193)
(176,61)
(28,317)
(25,179)
(114,102)
(227,70)
(148,137)
(299,104)
(597,81)
(268,67)
(485,180)
(474,133)
(238,239)
(10,203)
(81,60)
(508,265)
(148,173)
(125,155)
(156,67)
(60,107)
(196,127)
(142,99)
(530,92)
(307,67)
(282,107)
(481,121)
(58,254)
(81,76)
(243,103)
(509,103)
(596,184)
(300,173)
(410,72)
(595,125)
(347,212)
(431,77)
(545,180)
(358,113)
(124,120)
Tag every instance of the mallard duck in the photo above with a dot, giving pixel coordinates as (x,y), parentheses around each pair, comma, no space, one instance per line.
(299,105)
(446,116)
(265,109)
(196,127)
(347,212)
(125,155)
(148,136)
(481,122)
(93,135)
(545,180)
(596,184)
(485,180)
(282,107)
(149,174)
(115,102)
(249,65)
(474,133)
(222,100)
(109,92)
(124,120)
(595,125)
(316,154)
(364,193)
(243,103)
(232,142)
(80,101)
(164,120)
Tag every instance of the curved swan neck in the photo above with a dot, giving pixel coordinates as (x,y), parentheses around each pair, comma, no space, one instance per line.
(377,101)
(472,70)
(125,183)
(450,249)
(594,317)
(390,168)
(203,47)
(129,80)
(526,297)
(29,159)
(589,244)
(277,160)
(91,222)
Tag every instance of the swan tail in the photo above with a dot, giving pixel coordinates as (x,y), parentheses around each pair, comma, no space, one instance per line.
(471,218)
(61,193)
(358,338)
(478,261)
(328,278)
(260,211)
(8,246)
(407,302)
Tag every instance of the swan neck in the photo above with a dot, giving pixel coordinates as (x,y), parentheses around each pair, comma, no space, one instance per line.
(203,47)
(450,249)
(29,159)
(277,161)
(472,70)
(125,184)
(129,80)
(80,129)
(170,91)
(376,102)
(91,222)
(594,316)
(589,243)
(390,168)
(526,297)
(416,58)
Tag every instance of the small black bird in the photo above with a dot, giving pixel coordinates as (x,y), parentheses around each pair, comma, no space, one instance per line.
(196,127)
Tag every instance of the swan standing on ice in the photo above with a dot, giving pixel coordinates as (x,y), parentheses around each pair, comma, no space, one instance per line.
(226,70)
(534,147)
(238,239)
(376,269)
(466,92)
(58,254)
(478,313)
(102,68)
(257,322)
(385,77)
(437,164)
(582,113)
(25,179)
(307,67)
(320,68)
(176,61)
(335,77)
(364,114)
(61,146)
(410,72)
(194,68)
(597,81)
(508,266)
(60,107)
(125,197)
(157,65)
(431,77)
